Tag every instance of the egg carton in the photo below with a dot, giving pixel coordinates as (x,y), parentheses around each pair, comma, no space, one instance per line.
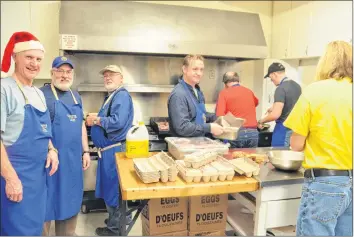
(225,171)
(172,167)
(145,171)
(188,174)
(161,166)
(200,158)
(245,166)
(209,173)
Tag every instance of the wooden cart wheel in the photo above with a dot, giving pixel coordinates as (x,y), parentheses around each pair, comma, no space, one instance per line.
(84,209)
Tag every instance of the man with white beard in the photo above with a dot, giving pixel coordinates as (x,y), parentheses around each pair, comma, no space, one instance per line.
(108,133)
(65,188)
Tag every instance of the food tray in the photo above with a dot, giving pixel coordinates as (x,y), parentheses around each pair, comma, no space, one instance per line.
(258,158)
(209,173)
(188,174)
(179,147)
(245,166)
(226,172)
(231,126)
(199,158)
(154,124)
(146,172)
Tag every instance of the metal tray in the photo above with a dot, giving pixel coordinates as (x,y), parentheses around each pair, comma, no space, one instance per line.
(155,126)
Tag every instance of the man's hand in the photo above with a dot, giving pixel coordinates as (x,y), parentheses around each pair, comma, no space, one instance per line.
(260,125)
(52,159)
(13,190)
(86,161)
(216,129)
(90,119)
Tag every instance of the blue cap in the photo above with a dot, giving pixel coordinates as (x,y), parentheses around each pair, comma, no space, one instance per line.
(58,61)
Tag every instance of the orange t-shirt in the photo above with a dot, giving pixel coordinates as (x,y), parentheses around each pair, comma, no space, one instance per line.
(241,102)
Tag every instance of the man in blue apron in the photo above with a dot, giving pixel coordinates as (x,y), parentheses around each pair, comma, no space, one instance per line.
(186,103)
(65,188)
(26,149)
(285,97)
(108,133)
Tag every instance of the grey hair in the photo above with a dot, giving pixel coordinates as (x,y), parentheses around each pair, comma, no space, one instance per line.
(230,77)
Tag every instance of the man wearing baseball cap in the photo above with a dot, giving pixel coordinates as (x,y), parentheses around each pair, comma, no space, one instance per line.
(285,97)
(65,188)
(26,148)
(108,133)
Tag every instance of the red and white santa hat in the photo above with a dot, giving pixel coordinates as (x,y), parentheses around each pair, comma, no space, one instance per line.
(19,42)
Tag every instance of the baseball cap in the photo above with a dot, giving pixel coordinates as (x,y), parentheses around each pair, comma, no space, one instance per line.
(58,61)
(112,68)
(275,67)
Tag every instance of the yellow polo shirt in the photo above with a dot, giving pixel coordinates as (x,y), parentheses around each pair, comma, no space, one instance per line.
(323,114)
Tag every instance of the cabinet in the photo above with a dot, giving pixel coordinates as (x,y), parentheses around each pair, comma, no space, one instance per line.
(281,30)
(330,21)
(302,29)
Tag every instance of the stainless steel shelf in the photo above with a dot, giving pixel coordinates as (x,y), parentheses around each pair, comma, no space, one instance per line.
(138,88)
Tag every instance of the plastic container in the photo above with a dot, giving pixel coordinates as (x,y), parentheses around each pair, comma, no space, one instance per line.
(137,142)
(179,147)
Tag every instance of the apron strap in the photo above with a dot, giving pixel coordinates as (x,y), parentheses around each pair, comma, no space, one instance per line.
(56,94)
(111,96)
(21,89)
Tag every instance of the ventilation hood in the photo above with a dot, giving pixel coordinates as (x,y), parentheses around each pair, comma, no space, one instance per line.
(155,29)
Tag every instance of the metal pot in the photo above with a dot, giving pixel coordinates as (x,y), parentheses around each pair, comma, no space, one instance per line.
(286,160)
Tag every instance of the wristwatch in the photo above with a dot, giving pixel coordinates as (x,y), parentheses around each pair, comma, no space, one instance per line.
(85,152)
(95,121)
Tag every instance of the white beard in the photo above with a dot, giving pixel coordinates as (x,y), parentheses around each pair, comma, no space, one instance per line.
(63,86)
(110,87)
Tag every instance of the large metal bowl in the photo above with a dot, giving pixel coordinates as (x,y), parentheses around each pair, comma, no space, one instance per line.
(286,160)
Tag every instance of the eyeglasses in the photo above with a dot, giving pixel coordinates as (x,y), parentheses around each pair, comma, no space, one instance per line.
(111,75)
(62,72)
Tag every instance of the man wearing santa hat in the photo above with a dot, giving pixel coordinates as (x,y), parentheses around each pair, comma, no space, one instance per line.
(65,187)
(27,153)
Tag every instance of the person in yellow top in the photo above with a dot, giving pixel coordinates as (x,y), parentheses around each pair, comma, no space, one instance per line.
(322,122)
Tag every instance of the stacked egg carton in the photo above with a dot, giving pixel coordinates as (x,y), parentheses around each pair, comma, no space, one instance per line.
(146,172)
(204,165)
(159,167)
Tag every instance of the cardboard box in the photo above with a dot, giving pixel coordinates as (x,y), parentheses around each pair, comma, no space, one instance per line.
(165,215)
(207,213)
(208,233)
(145,232)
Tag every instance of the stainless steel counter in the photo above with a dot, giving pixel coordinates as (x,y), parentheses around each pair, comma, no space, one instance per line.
(269,176)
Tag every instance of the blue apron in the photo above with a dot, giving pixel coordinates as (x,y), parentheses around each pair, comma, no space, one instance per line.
(28,157)
(65,187)
(200,107)
(107,183)
(279,132)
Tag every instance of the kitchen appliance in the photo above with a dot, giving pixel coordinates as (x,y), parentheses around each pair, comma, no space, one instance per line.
(160,125)
(286,160)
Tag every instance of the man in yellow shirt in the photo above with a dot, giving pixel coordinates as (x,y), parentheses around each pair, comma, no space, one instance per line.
(322,124)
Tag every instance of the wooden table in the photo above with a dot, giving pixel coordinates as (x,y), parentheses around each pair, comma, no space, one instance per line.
(132,188)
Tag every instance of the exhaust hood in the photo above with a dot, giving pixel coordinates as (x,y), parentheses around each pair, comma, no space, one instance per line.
(155,29)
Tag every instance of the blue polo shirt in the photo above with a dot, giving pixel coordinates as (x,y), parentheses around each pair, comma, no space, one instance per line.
(64,96)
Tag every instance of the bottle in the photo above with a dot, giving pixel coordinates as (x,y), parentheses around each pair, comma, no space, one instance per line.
(137,141)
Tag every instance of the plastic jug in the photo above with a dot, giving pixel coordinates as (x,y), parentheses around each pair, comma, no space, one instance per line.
(137,141)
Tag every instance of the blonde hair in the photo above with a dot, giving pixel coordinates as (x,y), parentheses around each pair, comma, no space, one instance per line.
(191,57)
(337,62)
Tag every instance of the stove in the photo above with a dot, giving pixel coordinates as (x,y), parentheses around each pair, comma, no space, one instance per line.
(156,142)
